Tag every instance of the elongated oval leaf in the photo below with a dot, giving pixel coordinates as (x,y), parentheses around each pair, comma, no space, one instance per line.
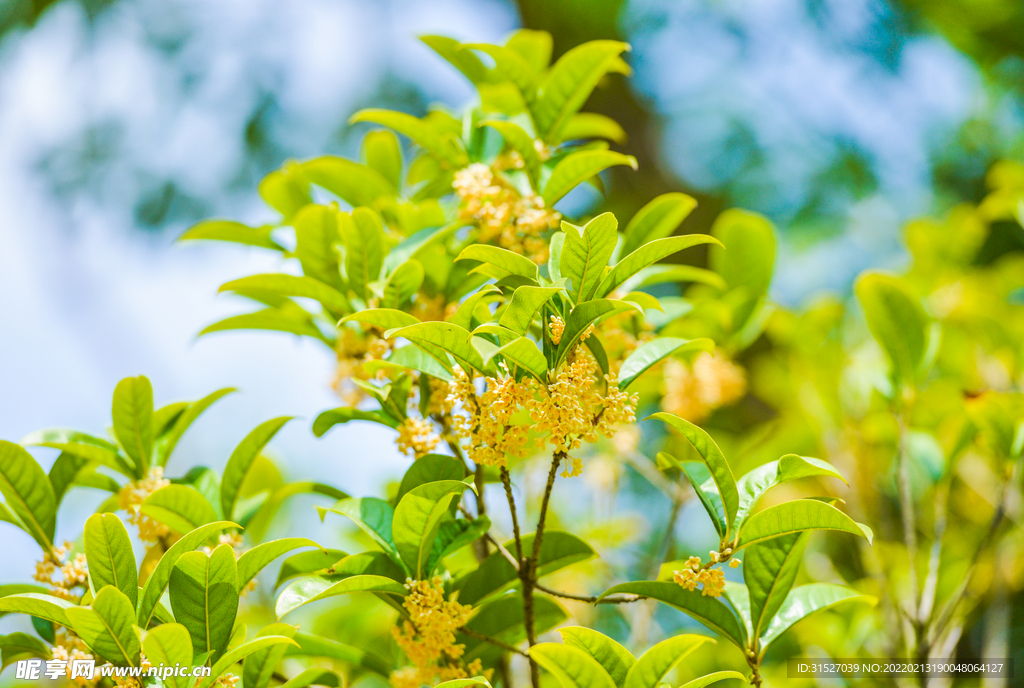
(652,666)
(576,168)
(363,235)
(383,153)
(180,507)
(748,260)
(28,493)
(42,605)
(108,549)
(615,659)
(107,627)
(165,447)
(803,601)
(315,588)
(708,610)
(508,261)
(446,336)
(132,411)
(315,561)
(81,444)
(650,353)
(757,482)
(235,232)
(417,518)
(421,132)
(523,353)
(242,459)
(293,285)
(523,306)
(573,667)
(585,253)
(374,516)
(354,183)
(796,516)
(582,317)
(769,571)
(241,652)
(657,220)
(204,597)
(259,667)
(256,559)
(317,239)
(896,321)
(648,254)
(293,320)
(169,644)
(591,125)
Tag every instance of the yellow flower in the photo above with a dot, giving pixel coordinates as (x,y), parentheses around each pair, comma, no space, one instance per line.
(68,647)
(711,382)
(486,419)
(416,437)
(72,574)
(557,328)
(577,467)
(131,497)
(353,350)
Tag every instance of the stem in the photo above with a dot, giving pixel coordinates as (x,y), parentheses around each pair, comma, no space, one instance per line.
(506,481)
(481,510)
(755,669)
(493,641)
(623,599)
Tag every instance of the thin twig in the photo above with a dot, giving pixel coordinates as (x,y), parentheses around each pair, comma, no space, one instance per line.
(503,550)
(507,482)
(494,641)
(623,599)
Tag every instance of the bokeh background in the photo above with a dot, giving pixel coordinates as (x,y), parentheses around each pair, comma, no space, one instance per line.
(123,122)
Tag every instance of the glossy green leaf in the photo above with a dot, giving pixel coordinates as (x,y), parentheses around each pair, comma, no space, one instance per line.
(291,320)
(714,678)
(647,255)
(315,588)
(569,83)
(573,667)
(241,652)
(428,469)
(363,235)
(502,618)
(293,285)
(712,457)
(373,516)
(384,154)
(410,358)
(763,478)
(747,261)
(28,493)
(585,253)
(132,411)
(328,419)
(107,627)
(454,535)
(615,659)
(108,549)
(462,59)
(495,574)
(317,239)
(769,571)
(69,470)
(417,518)
(590,125)
(256,559)
(709,611)
(259,667)
(161,575)
(521,142)
(180,507)
(896,321)
(16,646)
(384,318)
(165,445)
(523,306)
(313,676)
(508,261)
(654,351)
(402,284)
(576,168)
(796,516)
(43,605)
(523,353)
(169,645)
(317,646)
(657,220)
(446,336)
(704,486)
(513,67)
(582,317)
(241,460)
(204,596)
(805,600)
(652,666)
(317,561)
(352,182)
(533,46)
(285,190)
(235,232)
(420,131)
(83,445)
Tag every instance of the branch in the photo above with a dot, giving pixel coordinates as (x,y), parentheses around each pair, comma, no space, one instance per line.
(493,641)
(507,482)
(623,599)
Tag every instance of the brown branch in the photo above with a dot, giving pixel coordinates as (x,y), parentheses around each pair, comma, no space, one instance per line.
(506,481)
(493,641)
(623,599)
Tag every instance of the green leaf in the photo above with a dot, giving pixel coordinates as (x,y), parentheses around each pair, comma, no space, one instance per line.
(235,232)
(83,445)
(385,318)
(533,46)
(315,588)
(28,493)
(590,125)
(328,419)
(738,597)
(318,646)
(403,284)
(313,676)
(132,411)
(291,285)
(896,321)
(428,469)
(576,168)
(615,659)
(158,580)
(648,254)
(305,563)
(356,184)
(518,140)
(107,627)
(169,645)
(508,261)
(258,667)
(569,83)
(285,190)
(495,574)
(204,597)
(713,458)
(411,358)
(256,559)
(69,470)
(523,352)
(502,618)
(241,461)
(257,525)
(523,306)
(384,154)
(451,338)
(165,446)
(652,666)
(709,611)
(573,667)
(754,484)
(585,252)
(656,220)
(363,235)
(317,238)
(748,260)
(291,320)
(662,273)
(417,518)
(704,486)
(769,571)
(714,678)
(108,549)
(37,604)
(374,516)
(582,317)
(241,652)
(15,646)
(796,516)
(180,507)
(454,535)
(649,353)
(513,67)
(425,135)
(460,58)
(803,601)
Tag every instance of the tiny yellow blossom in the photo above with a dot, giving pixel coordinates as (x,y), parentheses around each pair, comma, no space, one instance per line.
(734,563)
(557,326)
(63,576)
(416,437)
(134,494)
